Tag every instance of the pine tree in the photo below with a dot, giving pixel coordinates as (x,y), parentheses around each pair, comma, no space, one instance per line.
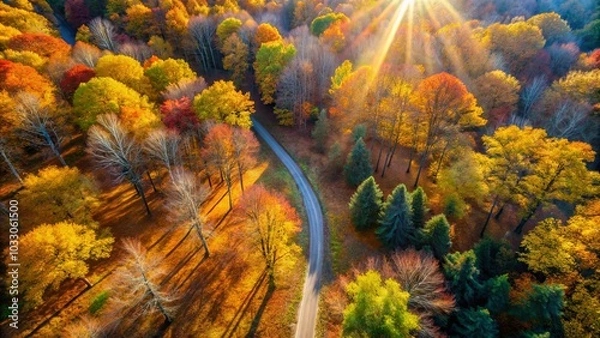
(543,308)
(418,204)
(497,294)
(365,204)
(321,131)
(395,224)
(494,258)
(358,164)
(475,323)
(463,277)
(437,235)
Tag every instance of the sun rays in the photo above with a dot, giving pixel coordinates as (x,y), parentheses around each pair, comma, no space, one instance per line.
(397,31)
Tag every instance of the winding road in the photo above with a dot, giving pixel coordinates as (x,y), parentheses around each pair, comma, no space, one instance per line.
(307,314)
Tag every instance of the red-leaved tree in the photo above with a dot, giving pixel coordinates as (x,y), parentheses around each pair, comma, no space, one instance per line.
(74,77)
(178,115)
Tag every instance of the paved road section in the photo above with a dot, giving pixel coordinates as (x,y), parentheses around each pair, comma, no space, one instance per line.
(307,314)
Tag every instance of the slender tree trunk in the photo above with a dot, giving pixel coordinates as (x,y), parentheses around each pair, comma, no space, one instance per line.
(489,215)
(151,181)
(410,159)
(87,282)
(53,146)
(137,189)
(57,153)
(12,168)
(389,163)
(209,180)
(500,211)
(228,181)
(528,215)
(155,297)
(440,161)
(241,176)
(201,236)
(143,196)
(385,162)
(379,155)
(421,164)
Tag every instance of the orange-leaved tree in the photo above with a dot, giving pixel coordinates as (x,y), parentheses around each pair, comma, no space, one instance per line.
(447,108)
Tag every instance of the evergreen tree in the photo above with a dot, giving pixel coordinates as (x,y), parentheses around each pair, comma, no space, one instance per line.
(359,131)
(418,204)
(496,293)
(365,204)
(437,235)
(463,277)
(395,224)
(320,131)
(474,323)
(543,308)
(494,257)
(358,164)
(335,159)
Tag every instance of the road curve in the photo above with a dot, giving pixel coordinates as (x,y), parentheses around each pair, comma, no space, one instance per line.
(307,314)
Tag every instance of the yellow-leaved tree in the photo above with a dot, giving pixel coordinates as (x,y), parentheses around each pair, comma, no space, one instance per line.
(569,254)
(221,102)
(58,194)
(271,223)
(51,253)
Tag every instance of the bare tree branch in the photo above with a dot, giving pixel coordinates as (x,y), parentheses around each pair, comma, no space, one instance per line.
(117,151)
(37,124)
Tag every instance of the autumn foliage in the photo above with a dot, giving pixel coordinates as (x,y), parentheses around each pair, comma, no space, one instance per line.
(178,115)
(41,44)
(74,77)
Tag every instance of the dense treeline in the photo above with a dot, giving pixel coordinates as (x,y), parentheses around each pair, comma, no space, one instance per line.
(491,104)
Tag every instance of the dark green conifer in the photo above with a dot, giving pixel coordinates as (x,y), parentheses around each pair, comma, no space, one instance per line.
(474,323)
(365,204)
(437,236)
(418,203)
(463,277)
(358,164)
(395,223)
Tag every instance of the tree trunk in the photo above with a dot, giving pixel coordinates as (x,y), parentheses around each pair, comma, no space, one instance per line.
(421,164)
(12,168)
(439,164)
(229,193)
(57,153)
(151,181)
(87,281)
(528,215)
(201,236)
(209,180)
(499,213)
(53,146)
(385,162)
(489,215)
(389,163)
(410,159)
(143,196)
(241,176)
(379,155)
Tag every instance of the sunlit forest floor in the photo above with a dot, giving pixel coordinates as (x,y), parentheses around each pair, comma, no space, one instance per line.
(225,295)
